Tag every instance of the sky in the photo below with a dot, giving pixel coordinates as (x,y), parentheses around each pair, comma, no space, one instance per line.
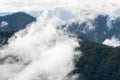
(96,6)
(80,9)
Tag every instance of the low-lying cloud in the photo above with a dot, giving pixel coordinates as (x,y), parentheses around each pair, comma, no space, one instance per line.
(43,52)
(112,42)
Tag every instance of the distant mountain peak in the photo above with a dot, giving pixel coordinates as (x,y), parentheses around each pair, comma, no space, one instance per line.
(15,21)
(102,28)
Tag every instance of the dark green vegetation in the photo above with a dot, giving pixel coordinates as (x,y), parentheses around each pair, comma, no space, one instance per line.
(4,36)
(98,62)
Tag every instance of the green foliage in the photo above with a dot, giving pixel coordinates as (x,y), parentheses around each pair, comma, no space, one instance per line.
(98,62)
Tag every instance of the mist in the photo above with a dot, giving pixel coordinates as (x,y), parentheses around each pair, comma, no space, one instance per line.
(42,51)
(114,42)
(39,52)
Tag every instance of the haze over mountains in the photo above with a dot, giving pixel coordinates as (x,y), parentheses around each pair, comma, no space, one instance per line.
(98,30)
(98,62)
(59,40)
(15,22)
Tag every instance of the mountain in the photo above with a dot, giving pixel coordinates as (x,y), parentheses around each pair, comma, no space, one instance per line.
(12,23)
(15,21)
(98,61)
(100,28)
(4,36)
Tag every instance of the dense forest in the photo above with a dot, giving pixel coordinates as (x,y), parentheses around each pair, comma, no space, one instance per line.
(98,62)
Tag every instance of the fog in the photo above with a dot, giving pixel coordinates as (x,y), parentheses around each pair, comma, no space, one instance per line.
(41,51)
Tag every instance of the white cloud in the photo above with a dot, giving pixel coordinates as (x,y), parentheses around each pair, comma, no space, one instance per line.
(3,23)
(112,42)
(47,51)
(76,6)
(79,9)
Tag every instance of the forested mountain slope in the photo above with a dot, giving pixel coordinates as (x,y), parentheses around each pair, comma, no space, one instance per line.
(15,21)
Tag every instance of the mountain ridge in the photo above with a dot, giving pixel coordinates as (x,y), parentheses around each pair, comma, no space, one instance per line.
(15,21)
(98,61)
(102,29)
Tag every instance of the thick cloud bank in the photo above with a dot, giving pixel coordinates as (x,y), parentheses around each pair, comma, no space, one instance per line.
(40,52)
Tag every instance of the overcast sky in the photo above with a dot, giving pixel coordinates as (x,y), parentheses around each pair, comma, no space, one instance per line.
(36,5)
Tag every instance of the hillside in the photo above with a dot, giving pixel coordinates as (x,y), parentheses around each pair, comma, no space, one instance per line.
(98,62)
(15,21)
(4,36)
(98,29)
